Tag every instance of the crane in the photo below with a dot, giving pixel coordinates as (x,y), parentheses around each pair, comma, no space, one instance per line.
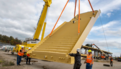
(100,50)
(32,42)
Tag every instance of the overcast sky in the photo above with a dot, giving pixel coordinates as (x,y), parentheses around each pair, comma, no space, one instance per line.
(18,18)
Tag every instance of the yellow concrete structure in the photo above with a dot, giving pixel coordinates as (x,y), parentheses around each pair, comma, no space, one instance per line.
(65,39)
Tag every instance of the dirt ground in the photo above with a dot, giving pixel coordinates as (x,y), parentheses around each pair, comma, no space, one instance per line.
(51,65)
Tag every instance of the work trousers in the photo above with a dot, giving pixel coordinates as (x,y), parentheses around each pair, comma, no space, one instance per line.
(77,66)
(28,60)
(88,66)
(111,63)
(18,59)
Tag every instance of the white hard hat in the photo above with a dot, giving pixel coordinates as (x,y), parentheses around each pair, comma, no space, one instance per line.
(78,49)
(22,46)
(29,48)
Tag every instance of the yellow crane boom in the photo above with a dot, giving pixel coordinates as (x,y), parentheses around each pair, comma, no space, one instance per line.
(42,18)
(43,32)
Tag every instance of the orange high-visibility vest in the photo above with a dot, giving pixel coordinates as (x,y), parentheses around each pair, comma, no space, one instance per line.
(20,53)
(28,55)
(104,56)
(111,59)
(89,59)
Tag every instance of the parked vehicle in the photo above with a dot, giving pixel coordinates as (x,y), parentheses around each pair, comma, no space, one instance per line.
(7,48)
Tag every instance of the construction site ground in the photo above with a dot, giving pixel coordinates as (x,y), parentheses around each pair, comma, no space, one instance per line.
(51,65)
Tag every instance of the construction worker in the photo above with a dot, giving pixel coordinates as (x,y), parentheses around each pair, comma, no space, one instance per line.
(77,57)
(111,61)
(19,56)
(89,60)
(23,50)
(28,59)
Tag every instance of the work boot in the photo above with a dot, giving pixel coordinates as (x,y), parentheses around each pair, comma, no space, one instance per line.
(29,63)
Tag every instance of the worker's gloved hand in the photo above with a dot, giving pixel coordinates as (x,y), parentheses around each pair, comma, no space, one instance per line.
(90,63)
(70,54)
(84,62)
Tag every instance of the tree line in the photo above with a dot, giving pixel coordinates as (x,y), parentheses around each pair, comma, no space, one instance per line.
(9,40)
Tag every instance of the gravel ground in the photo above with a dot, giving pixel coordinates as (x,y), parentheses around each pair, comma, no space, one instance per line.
(52,65)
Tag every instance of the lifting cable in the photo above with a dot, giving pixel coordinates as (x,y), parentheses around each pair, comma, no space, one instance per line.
(104,33)
(79,13)
(91,6)
(75,8)
(74,15)
(79,18)
(59,17)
